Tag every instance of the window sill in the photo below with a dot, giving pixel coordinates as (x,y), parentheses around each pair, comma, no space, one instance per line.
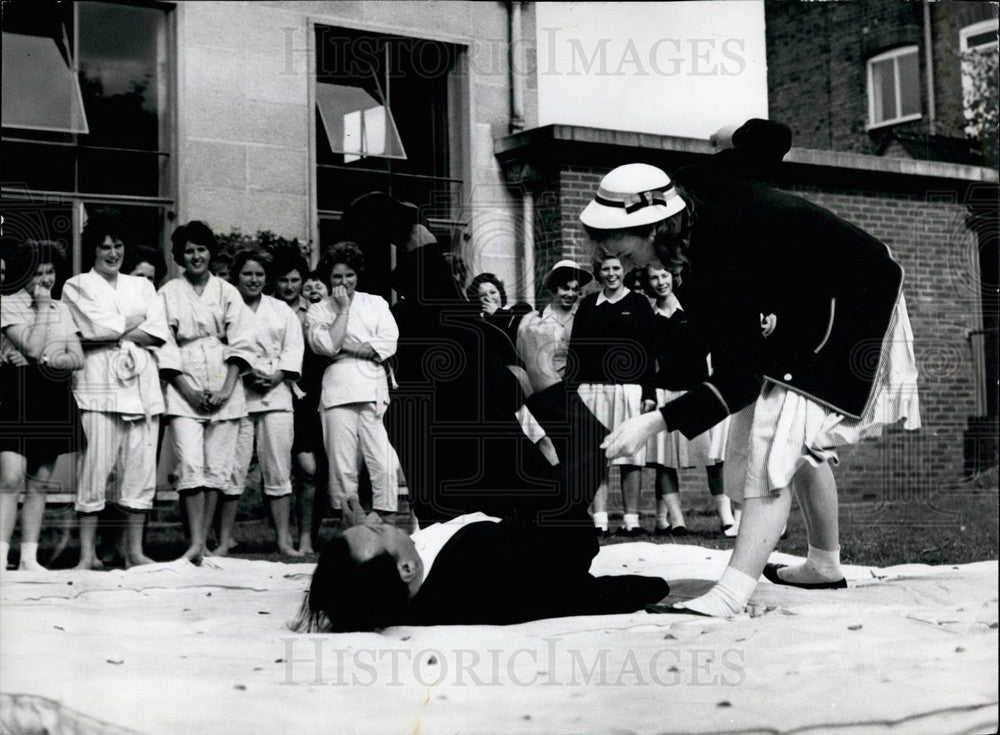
(894,121)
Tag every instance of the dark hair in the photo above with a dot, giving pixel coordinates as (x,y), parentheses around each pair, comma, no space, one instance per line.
(197,232)
(598,261)
(135,254)
(561,279)
(101,223)
(243,257)
(347,596)
(287,260)
(473,290)
(344,252)
(23,259)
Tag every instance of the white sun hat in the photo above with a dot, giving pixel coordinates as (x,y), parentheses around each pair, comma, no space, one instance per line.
(632,195)
(570,267)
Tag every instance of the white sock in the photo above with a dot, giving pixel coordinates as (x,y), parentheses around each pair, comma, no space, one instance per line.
(673,503)
(724,509)
(631,521)
(728,597)
(29,557)
(601,520)
(819,566)
(4,550)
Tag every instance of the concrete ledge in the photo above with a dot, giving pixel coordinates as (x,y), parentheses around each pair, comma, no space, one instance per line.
(537,143)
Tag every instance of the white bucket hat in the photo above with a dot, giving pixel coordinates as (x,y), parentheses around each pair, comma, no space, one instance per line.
(632,195)
(584,277)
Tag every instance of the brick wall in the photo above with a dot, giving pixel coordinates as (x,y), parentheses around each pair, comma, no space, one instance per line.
(928,236)
(816,66)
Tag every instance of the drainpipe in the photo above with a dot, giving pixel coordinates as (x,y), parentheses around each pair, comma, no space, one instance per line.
(528,252)
(516,88)
(929,69)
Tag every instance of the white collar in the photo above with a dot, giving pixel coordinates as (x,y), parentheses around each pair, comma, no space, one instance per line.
(549,312)
(601,298)
(672,305)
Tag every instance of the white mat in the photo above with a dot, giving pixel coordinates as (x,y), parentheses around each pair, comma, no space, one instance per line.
(172,648)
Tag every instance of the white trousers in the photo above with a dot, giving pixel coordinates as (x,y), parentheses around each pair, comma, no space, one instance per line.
(119,463)
(205,451)
(353,433)
(274,431)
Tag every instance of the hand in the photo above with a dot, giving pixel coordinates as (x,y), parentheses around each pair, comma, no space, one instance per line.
(194,397)
(339,297)
(214,400)
(16,358)
(132,321)
(648,405)
(632,435)
(41,293)
(263,382)
(367,352)
(353,513)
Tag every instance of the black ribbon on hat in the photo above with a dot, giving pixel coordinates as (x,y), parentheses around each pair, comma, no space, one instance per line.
(641,200)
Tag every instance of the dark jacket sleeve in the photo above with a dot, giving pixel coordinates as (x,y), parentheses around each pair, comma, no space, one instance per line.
(645,329)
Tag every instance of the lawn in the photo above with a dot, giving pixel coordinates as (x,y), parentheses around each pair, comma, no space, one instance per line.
(950,528)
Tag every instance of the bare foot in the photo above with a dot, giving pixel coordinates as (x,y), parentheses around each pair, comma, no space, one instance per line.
(34,566)
(194,554)
(92,564)
(288,550)
(135,560)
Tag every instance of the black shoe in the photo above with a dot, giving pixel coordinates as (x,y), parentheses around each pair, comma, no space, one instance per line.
(679,531)
(662,531)
(771,574)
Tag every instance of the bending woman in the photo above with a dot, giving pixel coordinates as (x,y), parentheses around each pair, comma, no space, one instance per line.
(39,419)
(788,322)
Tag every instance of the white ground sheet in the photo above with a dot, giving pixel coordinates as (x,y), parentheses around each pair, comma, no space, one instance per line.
(173,648)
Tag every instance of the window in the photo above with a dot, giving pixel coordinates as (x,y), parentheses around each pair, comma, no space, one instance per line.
(384,122)
(894,87)
(979,47)
(94,126)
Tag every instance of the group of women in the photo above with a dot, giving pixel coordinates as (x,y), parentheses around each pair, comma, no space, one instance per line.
(630,349)
(222,362)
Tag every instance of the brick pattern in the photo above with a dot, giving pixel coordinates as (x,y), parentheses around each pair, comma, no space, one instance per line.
(816,66)
(928,236)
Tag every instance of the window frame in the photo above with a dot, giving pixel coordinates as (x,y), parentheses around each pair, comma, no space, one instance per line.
(894,54)
(457,117)
(77,200)
(976,29)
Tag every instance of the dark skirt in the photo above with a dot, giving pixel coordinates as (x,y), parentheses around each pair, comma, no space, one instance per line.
(39,418)
(308,429)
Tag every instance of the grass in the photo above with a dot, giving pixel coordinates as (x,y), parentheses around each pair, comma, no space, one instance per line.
(950,528)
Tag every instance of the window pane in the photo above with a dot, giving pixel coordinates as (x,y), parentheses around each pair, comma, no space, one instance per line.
(357,123)
(122,67)
(47,168)
(119,172)
(989,38)
(40,91)
(884,90)
(909,84)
